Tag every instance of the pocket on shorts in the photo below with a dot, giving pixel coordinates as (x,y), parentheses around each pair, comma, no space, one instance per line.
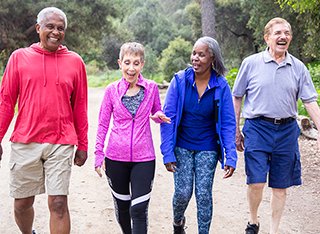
(296,177)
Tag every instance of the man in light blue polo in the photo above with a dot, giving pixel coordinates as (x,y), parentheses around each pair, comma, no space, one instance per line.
(272,81)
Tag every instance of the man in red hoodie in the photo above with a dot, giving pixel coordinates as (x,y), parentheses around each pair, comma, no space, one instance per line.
(50,85)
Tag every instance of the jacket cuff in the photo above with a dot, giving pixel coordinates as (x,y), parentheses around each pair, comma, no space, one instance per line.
(98,161)
(82,147)
(169,159)
(231,163)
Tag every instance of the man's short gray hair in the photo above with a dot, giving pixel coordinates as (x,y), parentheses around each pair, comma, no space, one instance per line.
(51,10)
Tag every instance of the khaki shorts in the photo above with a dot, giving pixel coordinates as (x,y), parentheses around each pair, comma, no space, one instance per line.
(34,166)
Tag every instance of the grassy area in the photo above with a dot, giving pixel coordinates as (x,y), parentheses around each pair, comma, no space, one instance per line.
(105,78)
(98,78)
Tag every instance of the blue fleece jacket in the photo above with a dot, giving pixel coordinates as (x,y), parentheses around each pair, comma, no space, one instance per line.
(225,117)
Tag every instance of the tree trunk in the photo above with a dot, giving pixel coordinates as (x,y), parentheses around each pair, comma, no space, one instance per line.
(208,21)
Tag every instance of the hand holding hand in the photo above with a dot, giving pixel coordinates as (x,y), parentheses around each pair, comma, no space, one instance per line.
(162,117)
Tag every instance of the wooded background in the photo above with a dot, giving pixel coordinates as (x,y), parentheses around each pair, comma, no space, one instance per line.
(168,29)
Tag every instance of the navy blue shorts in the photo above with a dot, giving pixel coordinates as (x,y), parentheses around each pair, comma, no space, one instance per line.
(272,151)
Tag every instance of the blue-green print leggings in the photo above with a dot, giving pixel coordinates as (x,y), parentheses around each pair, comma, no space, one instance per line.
(194,167)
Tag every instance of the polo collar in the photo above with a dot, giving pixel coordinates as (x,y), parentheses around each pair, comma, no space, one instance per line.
(268,58)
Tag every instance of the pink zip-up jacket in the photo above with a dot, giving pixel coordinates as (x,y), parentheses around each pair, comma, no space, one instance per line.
(130,138)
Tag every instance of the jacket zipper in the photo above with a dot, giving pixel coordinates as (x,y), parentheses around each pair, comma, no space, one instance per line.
(131,143)
(132,128)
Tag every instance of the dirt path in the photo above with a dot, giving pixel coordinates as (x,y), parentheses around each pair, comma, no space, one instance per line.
(91,204)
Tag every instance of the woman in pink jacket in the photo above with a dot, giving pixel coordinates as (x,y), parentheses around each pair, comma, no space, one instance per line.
(129,157)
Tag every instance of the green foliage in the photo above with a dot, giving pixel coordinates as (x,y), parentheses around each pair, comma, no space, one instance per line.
(261,11)
(235,38)
(157,77)
(302,5)
(149,26)
(175,57)
(308,11)
(151,22)
(110,53)
(141,22)
(302,110)
(151,65)
(17,20)
(84,32)
(103,79)
(163,28)
(314,69)
(171,7)
(193,13)
(98,28)
(231,76)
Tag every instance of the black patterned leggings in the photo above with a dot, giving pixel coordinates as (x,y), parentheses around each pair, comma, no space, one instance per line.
(136,177)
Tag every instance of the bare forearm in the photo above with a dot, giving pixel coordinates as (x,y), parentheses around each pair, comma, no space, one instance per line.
(314,112)
(237,102)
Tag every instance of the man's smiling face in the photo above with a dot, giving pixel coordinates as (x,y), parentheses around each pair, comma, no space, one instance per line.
(51,32)
(278,40)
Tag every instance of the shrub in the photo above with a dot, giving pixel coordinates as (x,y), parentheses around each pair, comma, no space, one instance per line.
(314,69)
(175,57)
(151,65)
(231,76)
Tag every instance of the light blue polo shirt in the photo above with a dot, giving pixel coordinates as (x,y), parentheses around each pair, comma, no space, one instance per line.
(272,89)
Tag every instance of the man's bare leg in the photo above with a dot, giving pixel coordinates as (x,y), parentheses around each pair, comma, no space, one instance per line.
(24,214)
(278,201)
(59,214)
(254,196)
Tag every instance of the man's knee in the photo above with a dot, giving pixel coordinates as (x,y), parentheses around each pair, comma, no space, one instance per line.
(279,193)
(23,204)
(256,187)
(58,205)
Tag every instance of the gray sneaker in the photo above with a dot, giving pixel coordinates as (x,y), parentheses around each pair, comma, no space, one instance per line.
(179,229)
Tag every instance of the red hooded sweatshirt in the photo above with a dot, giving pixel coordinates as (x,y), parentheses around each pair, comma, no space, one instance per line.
(51,89)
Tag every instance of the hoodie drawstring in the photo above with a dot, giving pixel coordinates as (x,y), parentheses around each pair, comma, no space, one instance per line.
(44,70)
(57,69)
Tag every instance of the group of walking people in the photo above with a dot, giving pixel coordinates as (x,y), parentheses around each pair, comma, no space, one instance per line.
(199,123)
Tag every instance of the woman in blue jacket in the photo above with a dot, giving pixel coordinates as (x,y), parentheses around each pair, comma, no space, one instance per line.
(202,131)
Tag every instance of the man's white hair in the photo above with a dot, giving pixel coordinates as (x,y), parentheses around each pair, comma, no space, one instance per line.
(51,10)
